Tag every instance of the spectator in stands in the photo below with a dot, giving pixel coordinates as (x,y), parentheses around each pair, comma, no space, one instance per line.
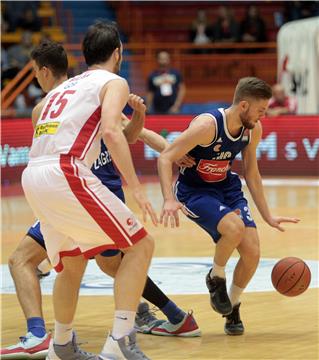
(201,31)
(16,58)
(4,19)
(19,54)
(14,12)
(295,10)
(4,59)
(252,28)
(30,21)
(166,89)
(226,28)
(280,103)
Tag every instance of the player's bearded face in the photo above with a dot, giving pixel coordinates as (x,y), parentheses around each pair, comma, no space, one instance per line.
(248,120)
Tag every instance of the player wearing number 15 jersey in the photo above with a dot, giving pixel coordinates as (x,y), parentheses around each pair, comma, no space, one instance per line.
(211,194)
(80,217)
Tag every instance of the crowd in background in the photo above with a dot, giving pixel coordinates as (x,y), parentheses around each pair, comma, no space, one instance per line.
(162,96)
(252,28)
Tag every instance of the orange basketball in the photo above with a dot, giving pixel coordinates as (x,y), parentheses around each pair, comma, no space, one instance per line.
(291,276)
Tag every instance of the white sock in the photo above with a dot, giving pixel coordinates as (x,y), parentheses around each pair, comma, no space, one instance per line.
(63,333)
(123,323)
(218,271)
(234,294)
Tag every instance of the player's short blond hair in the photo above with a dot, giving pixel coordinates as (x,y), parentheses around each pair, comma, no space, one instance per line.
(251,88)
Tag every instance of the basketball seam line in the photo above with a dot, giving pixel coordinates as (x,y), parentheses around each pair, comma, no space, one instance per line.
(297,262)
(304,268)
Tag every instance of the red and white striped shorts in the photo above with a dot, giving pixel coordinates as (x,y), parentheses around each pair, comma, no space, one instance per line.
(78,214)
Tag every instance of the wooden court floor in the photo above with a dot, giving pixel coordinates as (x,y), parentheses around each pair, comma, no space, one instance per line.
(277,327)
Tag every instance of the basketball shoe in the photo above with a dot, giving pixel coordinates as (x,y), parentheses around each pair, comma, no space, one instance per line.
(186,328)
(145,319)
(29,347)
(123,348)
(219,299)
(233,324)
(69,351)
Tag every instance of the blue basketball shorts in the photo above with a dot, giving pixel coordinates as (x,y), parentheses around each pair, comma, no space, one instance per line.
(206,207)
(35,230)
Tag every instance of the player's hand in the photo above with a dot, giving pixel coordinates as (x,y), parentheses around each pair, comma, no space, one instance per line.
(186,161)
(277,220)
(145,205)
(170,213)
(136,103)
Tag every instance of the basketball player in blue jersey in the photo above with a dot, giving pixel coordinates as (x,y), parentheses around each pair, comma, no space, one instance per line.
(50,63)
(210,194)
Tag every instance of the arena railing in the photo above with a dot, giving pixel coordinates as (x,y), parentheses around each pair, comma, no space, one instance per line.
(216,65)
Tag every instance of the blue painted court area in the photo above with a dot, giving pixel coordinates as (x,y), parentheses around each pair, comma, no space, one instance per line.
(175,276)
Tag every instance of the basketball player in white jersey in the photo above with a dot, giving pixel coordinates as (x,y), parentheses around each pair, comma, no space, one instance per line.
(79,216)
(51,65)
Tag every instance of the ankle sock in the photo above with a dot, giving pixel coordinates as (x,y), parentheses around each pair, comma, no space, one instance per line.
(218,271)
(36,326)
(234,294)
(63,333)
(123,323)
(174,313)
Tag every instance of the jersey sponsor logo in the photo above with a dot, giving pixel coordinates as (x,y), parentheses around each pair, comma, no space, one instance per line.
(221,208)
(219,140)
(212,171)
(103,159)
(131,223)
(217,147)
(49,128)
(223,155)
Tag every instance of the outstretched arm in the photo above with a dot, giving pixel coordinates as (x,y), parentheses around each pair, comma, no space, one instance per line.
(201,131)
(114,96)
(133,127)
(254,182)
(152,139)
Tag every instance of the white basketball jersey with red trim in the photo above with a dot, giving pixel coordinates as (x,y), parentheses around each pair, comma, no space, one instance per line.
(70,120)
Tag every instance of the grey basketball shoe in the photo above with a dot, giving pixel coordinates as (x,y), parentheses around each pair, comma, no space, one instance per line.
(145,319)
(69,351)
(124,348)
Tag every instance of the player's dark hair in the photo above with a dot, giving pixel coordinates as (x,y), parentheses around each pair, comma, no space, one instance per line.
(53,56)
(252,88)
(100,41)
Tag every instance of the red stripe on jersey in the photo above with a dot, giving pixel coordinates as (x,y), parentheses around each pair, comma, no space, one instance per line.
(84,139)
(87,254)
(98,211)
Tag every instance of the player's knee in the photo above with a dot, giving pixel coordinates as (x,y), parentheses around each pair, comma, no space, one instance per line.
(236,230)
(74,266)
(17,260)
(254,254)
(148,245)
(251,254)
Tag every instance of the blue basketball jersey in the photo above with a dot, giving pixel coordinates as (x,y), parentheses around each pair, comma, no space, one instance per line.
(213,161)
(104,169)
